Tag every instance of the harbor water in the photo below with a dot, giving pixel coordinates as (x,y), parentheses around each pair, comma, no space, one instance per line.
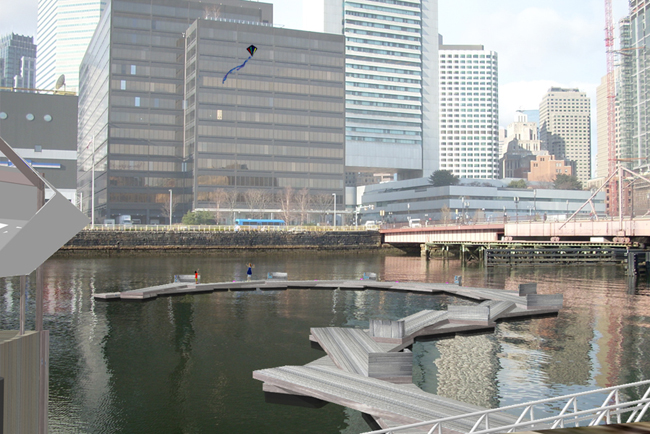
(184,364)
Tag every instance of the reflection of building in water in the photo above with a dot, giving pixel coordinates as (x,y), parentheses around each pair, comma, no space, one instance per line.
(608,323)
(416,269)
(467,370)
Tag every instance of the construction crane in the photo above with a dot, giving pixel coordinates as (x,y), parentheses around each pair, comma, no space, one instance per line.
(611,111)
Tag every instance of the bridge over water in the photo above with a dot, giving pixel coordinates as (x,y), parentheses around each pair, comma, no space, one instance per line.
(618,231)
(512,243)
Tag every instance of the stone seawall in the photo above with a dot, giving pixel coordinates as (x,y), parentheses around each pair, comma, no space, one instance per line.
(179,241)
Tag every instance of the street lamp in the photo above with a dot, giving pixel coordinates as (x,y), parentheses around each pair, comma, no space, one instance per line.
(334,194)
(170,208)
(92,188)
(516,209)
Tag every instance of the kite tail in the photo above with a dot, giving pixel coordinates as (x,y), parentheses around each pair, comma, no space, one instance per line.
(236,68)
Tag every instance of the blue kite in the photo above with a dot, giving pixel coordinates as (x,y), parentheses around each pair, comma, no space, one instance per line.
(252,49)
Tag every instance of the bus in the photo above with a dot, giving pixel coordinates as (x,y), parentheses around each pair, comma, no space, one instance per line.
(259,223)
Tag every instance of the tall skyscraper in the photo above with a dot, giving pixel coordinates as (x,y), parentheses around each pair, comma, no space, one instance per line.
(565,128)
(64,28)
(391,68)
(469,111)
(633,90)
(155,114)
(17,60)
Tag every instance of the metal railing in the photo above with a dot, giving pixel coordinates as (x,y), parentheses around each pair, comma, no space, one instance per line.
(614,405)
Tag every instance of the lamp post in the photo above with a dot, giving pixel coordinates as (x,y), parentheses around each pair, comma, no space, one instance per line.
(334,219)
(170,208)
(465,212)
(516,209)
(92,188)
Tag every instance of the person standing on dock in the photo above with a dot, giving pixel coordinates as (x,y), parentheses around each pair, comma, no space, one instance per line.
(196,276)
(249,273)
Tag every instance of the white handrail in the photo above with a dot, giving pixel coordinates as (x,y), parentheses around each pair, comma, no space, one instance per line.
(639,406)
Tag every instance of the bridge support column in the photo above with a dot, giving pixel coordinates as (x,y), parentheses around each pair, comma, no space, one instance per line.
(632,263)
(424,251)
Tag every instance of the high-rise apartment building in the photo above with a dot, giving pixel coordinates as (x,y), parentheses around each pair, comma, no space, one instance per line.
(17,61)
(633,90)
(64,29)
(156,118)
(621,144)
(391,84)
(469,111)
(565,128)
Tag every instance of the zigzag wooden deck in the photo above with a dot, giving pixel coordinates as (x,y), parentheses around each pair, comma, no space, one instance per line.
(371,370)
(355,375)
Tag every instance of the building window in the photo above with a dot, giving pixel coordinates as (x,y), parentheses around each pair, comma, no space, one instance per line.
(137,101)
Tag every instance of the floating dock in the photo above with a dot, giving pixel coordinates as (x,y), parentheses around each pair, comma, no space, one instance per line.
(371,370)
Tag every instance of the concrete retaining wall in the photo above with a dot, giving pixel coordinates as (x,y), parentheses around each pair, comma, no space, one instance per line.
(185,240)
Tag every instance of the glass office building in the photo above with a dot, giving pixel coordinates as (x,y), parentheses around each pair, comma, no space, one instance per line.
(148,124)
(17,61)
(64,29)
(391,84)
(565,128)
(274,124)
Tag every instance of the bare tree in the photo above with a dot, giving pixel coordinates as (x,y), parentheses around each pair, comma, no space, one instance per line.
(323,203)
(266,199)
(445,214)
(218,197)
(253,199)
(257,202)
(231,199)
(302,202)
(286,203)
(164,205)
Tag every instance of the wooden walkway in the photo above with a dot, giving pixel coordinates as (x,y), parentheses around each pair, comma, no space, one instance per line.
(371,370)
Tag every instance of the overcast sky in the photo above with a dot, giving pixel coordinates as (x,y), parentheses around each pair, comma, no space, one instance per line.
(540,43)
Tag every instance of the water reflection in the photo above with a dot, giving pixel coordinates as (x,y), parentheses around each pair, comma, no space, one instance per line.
(184,364)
